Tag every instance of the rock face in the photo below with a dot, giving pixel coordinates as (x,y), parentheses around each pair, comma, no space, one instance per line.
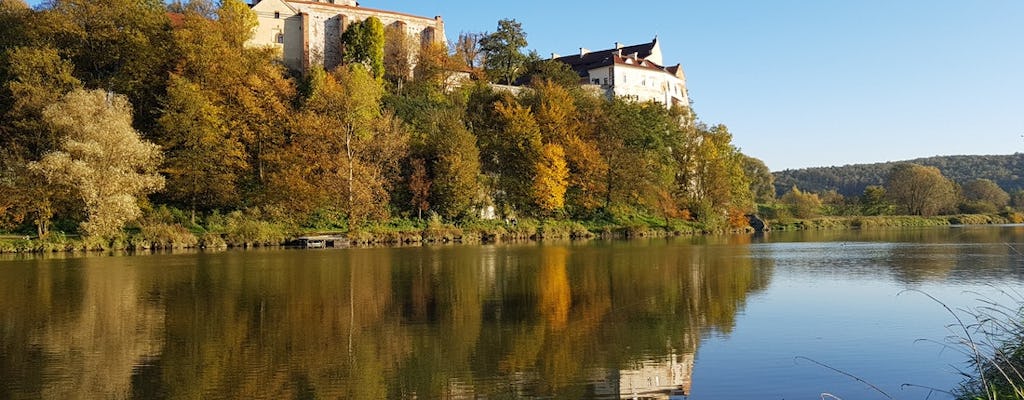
(757,223)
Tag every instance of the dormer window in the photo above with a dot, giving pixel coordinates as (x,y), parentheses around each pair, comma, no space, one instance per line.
(277,15)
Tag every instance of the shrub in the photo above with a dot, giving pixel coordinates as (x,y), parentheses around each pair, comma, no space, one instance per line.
(164,236)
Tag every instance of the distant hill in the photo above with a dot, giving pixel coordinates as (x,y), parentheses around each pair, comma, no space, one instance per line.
(850,180)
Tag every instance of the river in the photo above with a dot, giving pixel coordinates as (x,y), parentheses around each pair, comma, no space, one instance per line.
(780,316)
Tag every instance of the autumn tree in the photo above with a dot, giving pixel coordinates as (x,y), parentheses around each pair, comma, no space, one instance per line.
(102,157)
(562,124)
(419,186)
(802,204)
(117,45)
(502,50)
(249,87)
(344,152)
(552,179)
(237,22)
(467,49)
(521,146)
(36,78)
(710,175)
(399,52)
(920,190)
(984,196)
(363,43)
(202,157)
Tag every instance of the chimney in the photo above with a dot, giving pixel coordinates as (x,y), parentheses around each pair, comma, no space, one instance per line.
(584,51)
(618,45)
(554,56)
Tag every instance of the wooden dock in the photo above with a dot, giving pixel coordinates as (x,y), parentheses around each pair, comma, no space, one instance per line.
(321,241)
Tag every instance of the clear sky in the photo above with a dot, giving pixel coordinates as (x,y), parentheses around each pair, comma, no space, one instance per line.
(812,82)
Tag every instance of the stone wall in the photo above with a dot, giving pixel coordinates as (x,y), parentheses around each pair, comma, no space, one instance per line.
(312,30)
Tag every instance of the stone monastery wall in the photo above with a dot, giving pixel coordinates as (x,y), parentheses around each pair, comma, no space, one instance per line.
(309,32)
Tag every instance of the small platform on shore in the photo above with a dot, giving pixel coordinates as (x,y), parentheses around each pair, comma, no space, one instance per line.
(321,241)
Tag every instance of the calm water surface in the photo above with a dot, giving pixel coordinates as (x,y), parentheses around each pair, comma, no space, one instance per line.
(716,318)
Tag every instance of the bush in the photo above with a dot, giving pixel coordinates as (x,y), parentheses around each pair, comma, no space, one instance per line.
(164,236)
(246,229)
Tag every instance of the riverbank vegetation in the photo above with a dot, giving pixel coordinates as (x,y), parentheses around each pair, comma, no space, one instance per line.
(140,124)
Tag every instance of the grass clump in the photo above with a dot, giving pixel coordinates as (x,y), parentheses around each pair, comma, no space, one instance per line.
(991,336)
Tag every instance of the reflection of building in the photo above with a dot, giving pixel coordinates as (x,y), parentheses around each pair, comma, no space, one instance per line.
(636,72)
(308,32)
(669,378)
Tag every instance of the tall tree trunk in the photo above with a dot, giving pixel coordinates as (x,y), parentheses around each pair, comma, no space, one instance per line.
(348,151)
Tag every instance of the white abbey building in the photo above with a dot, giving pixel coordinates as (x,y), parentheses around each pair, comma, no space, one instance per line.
(635,72)
(309,32)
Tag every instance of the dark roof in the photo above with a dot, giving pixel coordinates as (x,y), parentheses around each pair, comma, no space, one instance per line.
(604,58)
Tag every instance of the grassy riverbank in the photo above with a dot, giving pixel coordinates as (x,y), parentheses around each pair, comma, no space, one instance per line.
(252,230)
(242,231)
(893,221)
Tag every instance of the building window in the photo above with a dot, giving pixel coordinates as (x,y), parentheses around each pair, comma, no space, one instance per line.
(280,38)
(597,81)
(277,15)
(605,81)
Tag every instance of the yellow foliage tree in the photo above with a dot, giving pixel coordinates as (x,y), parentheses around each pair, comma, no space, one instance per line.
(103,157)
(551,180)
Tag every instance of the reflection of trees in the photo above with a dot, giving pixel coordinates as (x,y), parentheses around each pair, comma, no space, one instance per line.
(448,322)
(89,323)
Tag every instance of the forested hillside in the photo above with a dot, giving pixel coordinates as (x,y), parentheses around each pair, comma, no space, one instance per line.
(851,180)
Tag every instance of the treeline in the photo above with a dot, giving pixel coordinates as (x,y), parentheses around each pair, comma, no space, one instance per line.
(907,189)
(159,118)
(851,180)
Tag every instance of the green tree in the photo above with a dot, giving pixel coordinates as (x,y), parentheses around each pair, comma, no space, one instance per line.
(920,190)
(455,165)
(363,43)
(504,60)
(102,157)
(555,72)
(762,182)
(874,201)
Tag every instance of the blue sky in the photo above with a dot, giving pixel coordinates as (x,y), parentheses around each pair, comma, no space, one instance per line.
(807,83)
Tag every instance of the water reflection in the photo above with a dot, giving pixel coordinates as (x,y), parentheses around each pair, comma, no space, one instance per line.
(960,254)
(568,321)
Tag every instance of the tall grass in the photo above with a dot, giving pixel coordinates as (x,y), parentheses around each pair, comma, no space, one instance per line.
(991,336)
